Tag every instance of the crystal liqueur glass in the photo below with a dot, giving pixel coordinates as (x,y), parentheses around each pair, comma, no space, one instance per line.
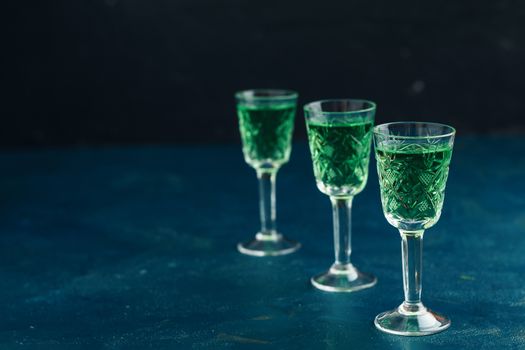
(266,120)
(339,135)
(412,163)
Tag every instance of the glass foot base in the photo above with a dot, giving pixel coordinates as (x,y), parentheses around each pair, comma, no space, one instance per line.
(411,320)
(343,278)
(265,246)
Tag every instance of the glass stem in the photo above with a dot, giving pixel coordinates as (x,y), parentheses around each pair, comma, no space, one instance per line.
(342,216)
(412,255)
(267,204)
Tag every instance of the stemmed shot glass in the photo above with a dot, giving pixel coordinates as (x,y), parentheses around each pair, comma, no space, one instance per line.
(266,121)
(339,136)
(412,163)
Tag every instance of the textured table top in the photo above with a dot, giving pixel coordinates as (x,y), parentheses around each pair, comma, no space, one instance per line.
(118,248)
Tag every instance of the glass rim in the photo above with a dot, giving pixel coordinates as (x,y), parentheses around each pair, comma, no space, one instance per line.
(377,131)
(282,94)
(372,106)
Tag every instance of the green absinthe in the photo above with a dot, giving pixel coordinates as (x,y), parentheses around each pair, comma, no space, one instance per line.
(266,133)
(413,179)
(340,155)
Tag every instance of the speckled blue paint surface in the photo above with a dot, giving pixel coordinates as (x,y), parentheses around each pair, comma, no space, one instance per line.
(123,248)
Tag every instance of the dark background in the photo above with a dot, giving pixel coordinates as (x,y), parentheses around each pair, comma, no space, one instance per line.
(128,71)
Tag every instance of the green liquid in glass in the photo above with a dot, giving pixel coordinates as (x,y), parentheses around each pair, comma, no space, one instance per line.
(340,155)
(413,179)
(266,133)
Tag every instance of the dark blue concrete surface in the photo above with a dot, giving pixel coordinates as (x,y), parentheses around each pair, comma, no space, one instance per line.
(135,248)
